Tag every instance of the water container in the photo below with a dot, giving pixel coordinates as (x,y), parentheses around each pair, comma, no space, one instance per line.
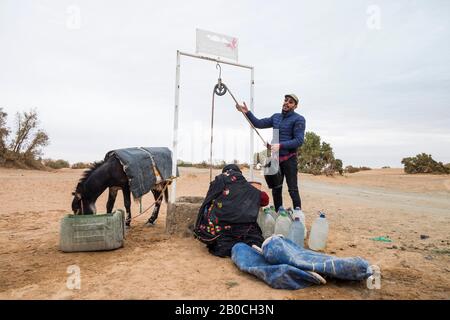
(94,232)
(260,220)
(297,232)
(262,217)
(299,213)
(273,212)
(283,223)
(290,213)
(268,225)
(319,233)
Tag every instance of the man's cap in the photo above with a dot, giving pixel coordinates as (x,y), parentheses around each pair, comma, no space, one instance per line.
(293,96)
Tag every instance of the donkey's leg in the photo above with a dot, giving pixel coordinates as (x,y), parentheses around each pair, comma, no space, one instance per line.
(127,202)
(111,199)
(156,194)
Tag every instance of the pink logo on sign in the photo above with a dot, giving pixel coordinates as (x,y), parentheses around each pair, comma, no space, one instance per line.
(233,44)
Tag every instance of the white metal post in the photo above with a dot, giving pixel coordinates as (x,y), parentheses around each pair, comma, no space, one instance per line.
(252,107)
(175,131)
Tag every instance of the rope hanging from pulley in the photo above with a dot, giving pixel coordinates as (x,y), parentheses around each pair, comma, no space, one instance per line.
(221,89)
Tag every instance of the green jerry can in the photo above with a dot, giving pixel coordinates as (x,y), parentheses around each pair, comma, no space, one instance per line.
(95,232)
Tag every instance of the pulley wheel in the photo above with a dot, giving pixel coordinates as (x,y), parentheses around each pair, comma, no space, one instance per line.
(220,89)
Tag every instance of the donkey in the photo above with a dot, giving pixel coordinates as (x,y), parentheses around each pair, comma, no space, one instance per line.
(109,174)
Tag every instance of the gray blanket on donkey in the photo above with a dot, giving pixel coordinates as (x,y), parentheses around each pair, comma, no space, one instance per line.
(138,165)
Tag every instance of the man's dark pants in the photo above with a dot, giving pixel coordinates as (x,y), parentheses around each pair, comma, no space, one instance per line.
(289,170)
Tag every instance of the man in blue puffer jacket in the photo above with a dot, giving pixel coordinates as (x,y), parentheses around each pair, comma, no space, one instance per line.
(291,128)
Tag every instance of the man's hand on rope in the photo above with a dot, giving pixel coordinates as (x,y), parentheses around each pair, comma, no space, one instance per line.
(242,108)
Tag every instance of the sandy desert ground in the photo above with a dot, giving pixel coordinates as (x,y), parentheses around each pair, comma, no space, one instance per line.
(154,265)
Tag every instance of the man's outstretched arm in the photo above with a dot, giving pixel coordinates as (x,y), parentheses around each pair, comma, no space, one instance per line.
(258,123)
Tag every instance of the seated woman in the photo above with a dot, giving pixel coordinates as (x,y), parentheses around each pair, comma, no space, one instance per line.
(229,212)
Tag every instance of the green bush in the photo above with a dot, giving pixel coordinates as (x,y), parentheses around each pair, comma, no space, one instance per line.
(23,148)
(317,157)
(338,166)
(182,163)
(4,132)
(201,165)
(56,164)
(81,165)
(221,165)
(424,163)
(205,164)
(351,169)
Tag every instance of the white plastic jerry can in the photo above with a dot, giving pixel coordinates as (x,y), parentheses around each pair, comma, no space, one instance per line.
(268,225)
(300,214)
(296,232)
(283,223)
(319,233)
(260,220)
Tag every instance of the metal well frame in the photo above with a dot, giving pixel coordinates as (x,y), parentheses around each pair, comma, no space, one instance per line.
(177,106)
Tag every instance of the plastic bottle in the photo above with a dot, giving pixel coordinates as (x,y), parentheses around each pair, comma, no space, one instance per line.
(268,225)
(274,212)
(290,213)
(283,223)
(299,213)
(260,220)
(319,233)
(296,232)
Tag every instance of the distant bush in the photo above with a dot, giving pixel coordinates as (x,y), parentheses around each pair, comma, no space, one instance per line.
(219,165)
(23,148)
(351,169)
(81,165)
(56,164)
(182,163)
(205,164)
(201,165)
(386,167)
(317,157)
(424,163)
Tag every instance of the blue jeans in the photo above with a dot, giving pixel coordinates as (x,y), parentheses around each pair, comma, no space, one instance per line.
(289,170)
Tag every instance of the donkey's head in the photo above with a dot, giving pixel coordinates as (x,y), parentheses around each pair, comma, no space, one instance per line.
(76,203)
(81,205)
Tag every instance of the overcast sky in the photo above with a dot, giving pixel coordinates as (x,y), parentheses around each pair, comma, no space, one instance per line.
(373,77)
